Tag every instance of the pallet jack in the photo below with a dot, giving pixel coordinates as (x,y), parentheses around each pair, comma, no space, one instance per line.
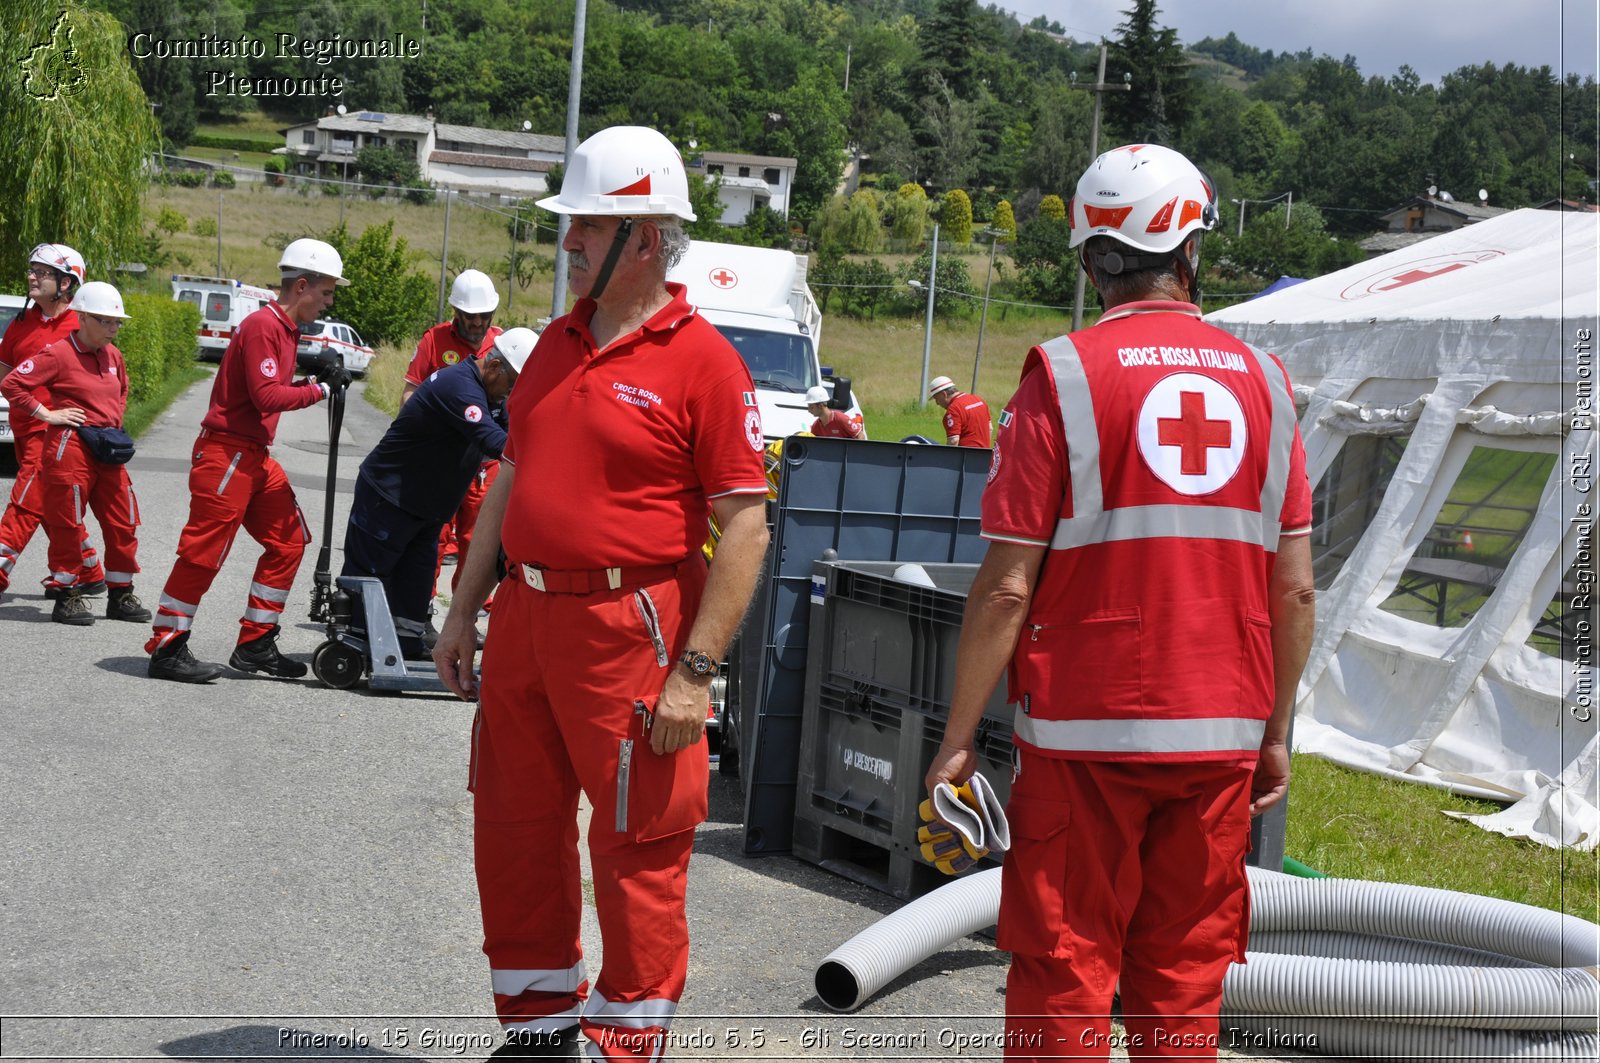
(361,635)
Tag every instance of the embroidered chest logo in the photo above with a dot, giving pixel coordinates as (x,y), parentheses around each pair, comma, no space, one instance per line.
(1192,433)
(451,357)
(269,367)
(473,414)
(635,396)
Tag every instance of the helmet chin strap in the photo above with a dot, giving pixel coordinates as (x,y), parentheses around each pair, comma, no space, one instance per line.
(624,230)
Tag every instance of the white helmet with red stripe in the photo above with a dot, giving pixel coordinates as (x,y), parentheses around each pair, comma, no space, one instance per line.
(58,257)
(1144,195)
(624,170)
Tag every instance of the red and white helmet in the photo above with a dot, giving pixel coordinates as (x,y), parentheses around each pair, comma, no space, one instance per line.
(58,257)
(1147,196)
(626,170)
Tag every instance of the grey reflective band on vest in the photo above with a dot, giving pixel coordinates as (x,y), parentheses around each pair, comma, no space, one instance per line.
(1091,522)
(1141,736)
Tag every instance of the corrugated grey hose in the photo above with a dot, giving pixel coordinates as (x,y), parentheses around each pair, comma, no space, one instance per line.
(1418,971)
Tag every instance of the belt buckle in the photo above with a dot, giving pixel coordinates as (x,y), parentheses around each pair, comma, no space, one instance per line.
(614,577)
(533,577)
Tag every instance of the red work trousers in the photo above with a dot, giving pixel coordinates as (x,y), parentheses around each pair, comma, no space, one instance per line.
(233,484)
(561,675)
(25,512)
(1122,871)
(74,483)
(461,526)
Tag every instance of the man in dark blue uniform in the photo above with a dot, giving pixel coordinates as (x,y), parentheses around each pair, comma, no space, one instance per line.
(414,479)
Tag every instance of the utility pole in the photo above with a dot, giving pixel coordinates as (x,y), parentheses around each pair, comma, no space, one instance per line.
(1099,88)
(558,302)
(927,328)
(994,242)
(444,250)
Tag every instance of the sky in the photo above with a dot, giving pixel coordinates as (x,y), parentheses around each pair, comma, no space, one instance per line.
(1434,38)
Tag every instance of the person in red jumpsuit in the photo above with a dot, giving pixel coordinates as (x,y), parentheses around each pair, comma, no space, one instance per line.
(85,380)
(835,423)
(54,273)
(1147,590)
(235,483)
(633,420)
(966,417)
(467,335)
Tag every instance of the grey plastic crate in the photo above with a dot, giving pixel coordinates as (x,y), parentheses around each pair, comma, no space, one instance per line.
(856,498)
(876,708)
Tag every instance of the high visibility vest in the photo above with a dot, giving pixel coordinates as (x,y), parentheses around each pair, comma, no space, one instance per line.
(1148,637)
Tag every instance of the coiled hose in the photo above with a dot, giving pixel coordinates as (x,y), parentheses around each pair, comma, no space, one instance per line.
(1379,970)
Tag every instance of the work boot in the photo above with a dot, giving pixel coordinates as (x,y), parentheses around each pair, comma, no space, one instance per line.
(261,655)
(55,591)
(523,1044)
(72,609)
(123,604)
(174,661)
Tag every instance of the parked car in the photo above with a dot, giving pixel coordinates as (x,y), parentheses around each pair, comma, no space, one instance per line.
(326,335)
(10,307)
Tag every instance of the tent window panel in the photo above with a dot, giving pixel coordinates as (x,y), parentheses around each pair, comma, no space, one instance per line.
(1570,616)
(1479,527)
(1347,498)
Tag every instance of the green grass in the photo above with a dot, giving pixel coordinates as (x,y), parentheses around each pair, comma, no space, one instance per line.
(1354,825)
(141,415)
(250,160)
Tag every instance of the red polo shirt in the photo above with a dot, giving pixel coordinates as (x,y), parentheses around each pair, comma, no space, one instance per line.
(837,424)
(28,334)
(619,452)
(96,382)
(967,418)
(441,346)
(254,383)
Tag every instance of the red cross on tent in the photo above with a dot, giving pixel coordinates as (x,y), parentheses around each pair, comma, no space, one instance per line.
(1191,431)
(724,278)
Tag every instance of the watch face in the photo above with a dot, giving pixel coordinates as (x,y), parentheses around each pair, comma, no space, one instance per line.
(699,663)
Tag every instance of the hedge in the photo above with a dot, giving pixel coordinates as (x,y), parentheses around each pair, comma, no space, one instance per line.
(157,341)
(211,140)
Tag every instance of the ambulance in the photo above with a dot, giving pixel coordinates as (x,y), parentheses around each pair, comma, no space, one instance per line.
(223,303)
(757,297)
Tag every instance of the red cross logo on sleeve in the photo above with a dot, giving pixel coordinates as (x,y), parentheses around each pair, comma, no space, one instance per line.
(1193,433)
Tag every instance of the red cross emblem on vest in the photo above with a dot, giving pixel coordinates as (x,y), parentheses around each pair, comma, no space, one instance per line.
(1192,432)
(724,278)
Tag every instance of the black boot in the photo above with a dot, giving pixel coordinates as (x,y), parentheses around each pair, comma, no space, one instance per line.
(524,1044)
(123,604)
(261,655)
(55,592)
(72,609)
(174,661)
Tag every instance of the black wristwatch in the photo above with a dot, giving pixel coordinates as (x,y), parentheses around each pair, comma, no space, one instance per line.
(699,665)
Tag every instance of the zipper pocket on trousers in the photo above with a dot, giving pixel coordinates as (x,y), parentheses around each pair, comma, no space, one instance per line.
(652,623)
(624,766)
(232,465)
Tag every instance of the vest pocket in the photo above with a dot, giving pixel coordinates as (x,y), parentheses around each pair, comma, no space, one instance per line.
(1255,661)
(1033,879)
(1083,669)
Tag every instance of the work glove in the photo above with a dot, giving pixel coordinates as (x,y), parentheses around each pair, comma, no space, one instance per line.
(336,376)
(962,824)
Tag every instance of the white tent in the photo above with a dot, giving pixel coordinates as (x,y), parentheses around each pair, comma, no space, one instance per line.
(1448,422)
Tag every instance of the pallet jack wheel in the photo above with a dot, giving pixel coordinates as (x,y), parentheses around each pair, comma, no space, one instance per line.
(337,665)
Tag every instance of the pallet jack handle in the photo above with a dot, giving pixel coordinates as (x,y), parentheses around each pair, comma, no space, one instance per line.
(322,580)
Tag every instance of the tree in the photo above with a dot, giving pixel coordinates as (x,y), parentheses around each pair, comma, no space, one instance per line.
(956,217)
(386,166)
(1045,261)
(78,135)
(386,299)
(951,133)
(1158,104)
(908,213)
(809,127)
(1004,219)
(1053,208)
(705,199)
(169,84)
(373,84)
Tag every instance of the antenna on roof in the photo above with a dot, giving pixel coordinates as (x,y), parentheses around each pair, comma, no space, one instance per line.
(340,109)
(526,125)
(1483,196)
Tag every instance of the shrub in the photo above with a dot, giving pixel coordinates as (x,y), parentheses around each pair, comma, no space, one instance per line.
(957,217)
(1004,219)
(222,179)
(1052,206)
(205,226)
(170,221)
(157,341)
(386,300)
(211,140)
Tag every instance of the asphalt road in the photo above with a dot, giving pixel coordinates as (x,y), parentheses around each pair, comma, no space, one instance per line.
(266,869)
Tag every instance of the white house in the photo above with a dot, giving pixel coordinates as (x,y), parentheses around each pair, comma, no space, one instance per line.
(465,158)
(748,182)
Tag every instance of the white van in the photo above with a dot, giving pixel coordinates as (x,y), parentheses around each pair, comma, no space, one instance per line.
(223,304)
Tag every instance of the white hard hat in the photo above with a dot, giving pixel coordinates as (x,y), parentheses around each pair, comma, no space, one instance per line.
(313,256)
(816,394)
(99,299)
(60,258)
(627,170)
(1144,195)
(514,345)
(474,293)
(939,383)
